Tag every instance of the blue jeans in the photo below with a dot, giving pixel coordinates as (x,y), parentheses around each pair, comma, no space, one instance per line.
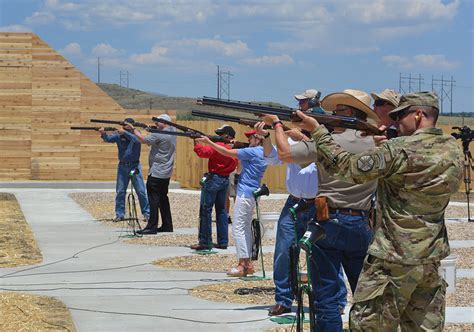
(346,243)
(123,179)
(281,260)
(213,193)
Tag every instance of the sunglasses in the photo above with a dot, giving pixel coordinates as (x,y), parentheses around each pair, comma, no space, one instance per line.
(380,102)
(400,115)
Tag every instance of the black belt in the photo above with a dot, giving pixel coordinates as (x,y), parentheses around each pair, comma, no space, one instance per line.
(350,212)
(222,176)
(298,198)
(129,163)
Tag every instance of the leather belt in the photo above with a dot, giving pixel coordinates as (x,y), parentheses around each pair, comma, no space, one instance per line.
(128,163)
(350,212)
(298,198)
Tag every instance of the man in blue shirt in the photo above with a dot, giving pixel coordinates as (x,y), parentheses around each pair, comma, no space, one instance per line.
(129,148)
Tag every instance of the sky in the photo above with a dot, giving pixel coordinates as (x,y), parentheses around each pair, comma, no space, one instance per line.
(272,49)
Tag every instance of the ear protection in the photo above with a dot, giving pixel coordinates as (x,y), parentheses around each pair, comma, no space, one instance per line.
(313,102)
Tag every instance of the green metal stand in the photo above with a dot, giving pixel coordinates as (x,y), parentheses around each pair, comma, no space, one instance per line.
(263,277)
(132,215)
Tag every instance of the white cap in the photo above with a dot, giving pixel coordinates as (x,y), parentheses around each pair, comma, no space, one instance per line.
(164,117)
(308,94)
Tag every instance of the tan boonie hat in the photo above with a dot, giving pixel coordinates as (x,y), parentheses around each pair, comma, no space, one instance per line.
(308,94)
(423,98)
(354,98)
(391,96)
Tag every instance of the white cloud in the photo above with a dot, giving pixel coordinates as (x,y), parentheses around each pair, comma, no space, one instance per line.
(270,60)
(157,54)
(427,61)
(375,11)
(232,49)
(105,50)
(71,49)
(15,28)
(40,18)
(61,5)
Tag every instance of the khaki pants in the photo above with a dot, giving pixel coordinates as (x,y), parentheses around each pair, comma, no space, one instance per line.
(389,295)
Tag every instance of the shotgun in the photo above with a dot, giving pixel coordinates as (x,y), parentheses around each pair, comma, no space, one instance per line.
(178,126)
(193,135)
(94,128)
(121,123)
(288,114)
(243,121)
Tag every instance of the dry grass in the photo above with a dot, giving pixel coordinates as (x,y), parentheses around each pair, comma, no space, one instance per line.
(17,243)
(20,312)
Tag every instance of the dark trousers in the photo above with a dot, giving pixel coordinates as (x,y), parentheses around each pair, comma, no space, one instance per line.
(157,190)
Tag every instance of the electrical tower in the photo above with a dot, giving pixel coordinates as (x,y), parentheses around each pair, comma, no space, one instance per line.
(409,81)
(124,78)
(223,83)
(442,87)
(445,90)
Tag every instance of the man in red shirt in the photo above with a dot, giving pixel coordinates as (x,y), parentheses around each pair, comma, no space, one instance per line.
(214,189)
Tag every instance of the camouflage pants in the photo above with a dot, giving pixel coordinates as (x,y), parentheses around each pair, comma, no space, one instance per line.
(389,295)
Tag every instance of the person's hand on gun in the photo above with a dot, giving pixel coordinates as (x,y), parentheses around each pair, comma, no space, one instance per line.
(380,139)
(203,140)
(269,119)
(308,123)
(101,130)
(259,128)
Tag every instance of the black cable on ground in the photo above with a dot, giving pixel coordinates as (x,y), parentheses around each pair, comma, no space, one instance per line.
(168,317)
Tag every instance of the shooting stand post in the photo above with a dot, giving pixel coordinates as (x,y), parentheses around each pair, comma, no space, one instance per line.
(256,225)
(132,215)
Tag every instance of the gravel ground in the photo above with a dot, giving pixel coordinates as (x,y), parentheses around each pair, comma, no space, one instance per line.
(460,230)
(182,240)
(465,257)
(184,207)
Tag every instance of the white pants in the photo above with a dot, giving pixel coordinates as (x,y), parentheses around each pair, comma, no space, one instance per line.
(242,226)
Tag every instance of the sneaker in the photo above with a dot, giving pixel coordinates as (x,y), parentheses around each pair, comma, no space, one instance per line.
(220,246)
(199,246)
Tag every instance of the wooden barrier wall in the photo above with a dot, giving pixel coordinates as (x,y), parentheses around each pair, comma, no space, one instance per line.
(190,168)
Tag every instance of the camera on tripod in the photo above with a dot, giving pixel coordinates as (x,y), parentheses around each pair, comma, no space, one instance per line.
(465,133)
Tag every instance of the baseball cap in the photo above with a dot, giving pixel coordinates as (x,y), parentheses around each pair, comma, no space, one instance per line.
(129,120)
(388,95)
(250,133)
(225,129)
(161,116)
(423,98)
(310,93)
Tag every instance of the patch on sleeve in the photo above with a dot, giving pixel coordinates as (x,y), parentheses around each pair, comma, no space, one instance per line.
(365,163)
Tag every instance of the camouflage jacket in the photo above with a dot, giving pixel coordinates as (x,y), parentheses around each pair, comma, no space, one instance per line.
(416,176)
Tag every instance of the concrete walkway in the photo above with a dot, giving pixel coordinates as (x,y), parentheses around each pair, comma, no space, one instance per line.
(109,285)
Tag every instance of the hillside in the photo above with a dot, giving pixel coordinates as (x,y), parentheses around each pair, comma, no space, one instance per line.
(136,99)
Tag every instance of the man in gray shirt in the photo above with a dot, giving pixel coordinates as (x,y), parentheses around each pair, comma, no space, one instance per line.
(161,161)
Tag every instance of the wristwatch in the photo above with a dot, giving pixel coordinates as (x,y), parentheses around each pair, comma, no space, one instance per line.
(267,135)
(276,122)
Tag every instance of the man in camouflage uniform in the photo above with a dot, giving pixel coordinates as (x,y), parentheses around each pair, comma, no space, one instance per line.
(417,173)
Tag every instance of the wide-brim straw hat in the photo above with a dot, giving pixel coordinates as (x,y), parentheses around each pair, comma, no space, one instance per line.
(354,98)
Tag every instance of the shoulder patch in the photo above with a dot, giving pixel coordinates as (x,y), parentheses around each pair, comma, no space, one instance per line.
(365,163)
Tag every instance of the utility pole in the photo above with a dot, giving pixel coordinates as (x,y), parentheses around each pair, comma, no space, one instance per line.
(98,70)
(218,83)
